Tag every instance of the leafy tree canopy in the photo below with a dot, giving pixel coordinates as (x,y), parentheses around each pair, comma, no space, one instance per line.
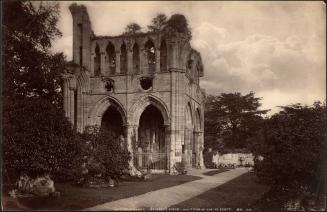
(132,28)
(291,143)
(30,68)
(179,23)
(230,119)
(158,23)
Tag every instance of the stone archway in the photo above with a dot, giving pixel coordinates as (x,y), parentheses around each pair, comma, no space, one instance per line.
(98,111)
(148,133)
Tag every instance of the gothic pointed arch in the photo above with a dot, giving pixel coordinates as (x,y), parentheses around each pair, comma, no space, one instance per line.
(137,109)
(100,108)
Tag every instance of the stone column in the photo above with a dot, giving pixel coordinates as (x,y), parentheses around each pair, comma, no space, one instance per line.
(129,62)
(66,95)
(118,62)
(169,150)
(143,61)
(132,137)
(198,136)
(157,61)
(103,63)
(92,63)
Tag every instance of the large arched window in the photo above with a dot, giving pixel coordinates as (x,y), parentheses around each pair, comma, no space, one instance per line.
(151,55)
(163,56)
(97,61)
(123,59)
(111,55)
(136,59)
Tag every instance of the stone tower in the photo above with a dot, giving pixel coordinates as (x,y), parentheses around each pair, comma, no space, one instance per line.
(143,87)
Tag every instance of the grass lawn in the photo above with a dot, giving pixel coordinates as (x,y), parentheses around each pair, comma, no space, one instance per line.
(240,192)
(74,198)
(213,172)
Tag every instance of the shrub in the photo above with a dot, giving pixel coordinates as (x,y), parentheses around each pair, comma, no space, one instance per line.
(106,154)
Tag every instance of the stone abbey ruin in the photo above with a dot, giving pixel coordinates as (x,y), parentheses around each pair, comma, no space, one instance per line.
(143,87)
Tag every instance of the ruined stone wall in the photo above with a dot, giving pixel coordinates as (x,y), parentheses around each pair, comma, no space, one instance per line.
(96,80)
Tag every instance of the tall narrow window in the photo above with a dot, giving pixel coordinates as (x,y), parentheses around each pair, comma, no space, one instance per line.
(163,56)
(123,59)
(151,55)
(111,55)
(97,61)
(136,59)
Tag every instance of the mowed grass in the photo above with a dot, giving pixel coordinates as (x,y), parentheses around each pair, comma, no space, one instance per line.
(240,192)
(75,198)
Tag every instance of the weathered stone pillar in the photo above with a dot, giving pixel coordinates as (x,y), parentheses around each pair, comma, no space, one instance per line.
(169,151)
(132,137)
(103,63)
(143,61)
(157,61)
(129,62)
(66,95)
(117,62)
(198,136)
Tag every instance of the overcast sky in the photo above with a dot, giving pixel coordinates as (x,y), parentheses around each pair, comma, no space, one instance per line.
(276,49)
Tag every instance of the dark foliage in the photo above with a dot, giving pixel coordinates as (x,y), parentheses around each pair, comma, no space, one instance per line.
(231,120)
(292,146)
(158,23)
(179,23)
(37,139)
(132,29)
(105,154)
(30,68)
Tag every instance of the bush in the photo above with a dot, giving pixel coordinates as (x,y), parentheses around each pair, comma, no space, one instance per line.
(292,145)
(37,139)
(106,155)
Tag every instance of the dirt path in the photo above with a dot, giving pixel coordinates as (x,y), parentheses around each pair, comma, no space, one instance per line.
(163,198)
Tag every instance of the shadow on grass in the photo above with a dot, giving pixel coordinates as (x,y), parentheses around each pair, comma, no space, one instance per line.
(75,198)
(213,172)
(239,193)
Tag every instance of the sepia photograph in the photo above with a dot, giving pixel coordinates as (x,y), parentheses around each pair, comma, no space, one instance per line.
(163,105)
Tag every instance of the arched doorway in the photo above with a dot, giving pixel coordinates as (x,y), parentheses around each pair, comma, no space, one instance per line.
(150,152)
(112,121)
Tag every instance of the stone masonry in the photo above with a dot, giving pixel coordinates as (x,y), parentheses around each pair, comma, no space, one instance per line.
(156,72)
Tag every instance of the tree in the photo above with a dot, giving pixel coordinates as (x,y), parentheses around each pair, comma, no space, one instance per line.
(292,146)
(132,29)
(232,118)
(158,23)
(178,23)
(30,69)
(36,135)
(33,144)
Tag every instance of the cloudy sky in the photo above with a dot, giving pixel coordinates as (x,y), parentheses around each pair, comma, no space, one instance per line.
(276,49)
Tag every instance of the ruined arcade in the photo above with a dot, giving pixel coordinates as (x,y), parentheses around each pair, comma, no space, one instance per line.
(143,87)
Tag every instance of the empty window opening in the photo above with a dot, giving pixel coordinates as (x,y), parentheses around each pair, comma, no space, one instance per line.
(136,59)
(151,55)
(111,57)
(146,83)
